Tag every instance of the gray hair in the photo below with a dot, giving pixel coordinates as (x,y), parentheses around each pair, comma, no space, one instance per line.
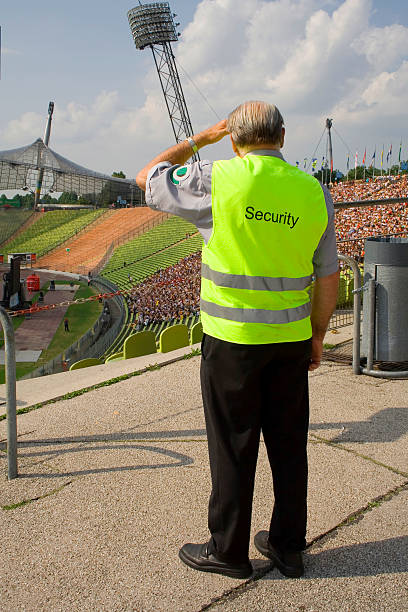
(255,123)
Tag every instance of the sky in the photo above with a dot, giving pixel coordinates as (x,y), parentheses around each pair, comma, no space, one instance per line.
(343,59)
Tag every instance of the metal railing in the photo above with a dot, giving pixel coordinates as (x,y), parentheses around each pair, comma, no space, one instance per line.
(105,340)
(10,371)
(356,313)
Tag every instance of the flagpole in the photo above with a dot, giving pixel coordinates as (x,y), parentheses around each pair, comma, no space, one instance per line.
(399,158)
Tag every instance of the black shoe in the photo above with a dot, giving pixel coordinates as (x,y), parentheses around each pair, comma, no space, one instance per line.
(289,563)
(198,557)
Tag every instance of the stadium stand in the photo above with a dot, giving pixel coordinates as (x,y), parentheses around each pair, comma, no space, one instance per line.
(377,188)
(164,235)
(51,229)
(153,306)
(128,276)
(11,221)
(90,249)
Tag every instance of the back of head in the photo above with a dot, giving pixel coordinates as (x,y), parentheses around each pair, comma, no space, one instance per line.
(255,123)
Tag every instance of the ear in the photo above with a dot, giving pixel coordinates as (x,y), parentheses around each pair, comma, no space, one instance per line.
(282,137)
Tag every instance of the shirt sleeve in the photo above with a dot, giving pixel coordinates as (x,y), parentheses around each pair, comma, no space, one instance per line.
(325,260)
(184,191)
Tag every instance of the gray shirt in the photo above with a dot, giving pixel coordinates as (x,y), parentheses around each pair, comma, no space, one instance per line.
(187,194)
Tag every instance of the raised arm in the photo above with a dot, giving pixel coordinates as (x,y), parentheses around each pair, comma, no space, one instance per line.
(323,304)
(181,152)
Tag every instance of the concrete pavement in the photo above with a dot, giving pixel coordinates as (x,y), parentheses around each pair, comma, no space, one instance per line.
(114,481)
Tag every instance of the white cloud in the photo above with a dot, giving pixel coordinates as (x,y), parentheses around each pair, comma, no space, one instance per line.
(383,46)
(383,97)
(102,135)
(23,130)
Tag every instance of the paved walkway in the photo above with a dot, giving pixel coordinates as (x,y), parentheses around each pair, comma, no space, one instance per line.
(114,481)
(36,333)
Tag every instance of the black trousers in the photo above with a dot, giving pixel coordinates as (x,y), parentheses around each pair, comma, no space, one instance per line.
(247,389)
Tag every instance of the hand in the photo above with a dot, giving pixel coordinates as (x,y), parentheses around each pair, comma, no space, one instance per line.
(212,134)
(316,356)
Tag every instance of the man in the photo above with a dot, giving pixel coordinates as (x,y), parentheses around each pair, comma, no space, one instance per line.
(267,227)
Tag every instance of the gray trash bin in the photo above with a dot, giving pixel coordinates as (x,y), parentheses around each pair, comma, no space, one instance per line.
(386,262)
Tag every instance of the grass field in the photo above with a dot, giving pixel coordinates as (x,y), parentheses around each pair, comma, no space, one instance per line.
(80,316)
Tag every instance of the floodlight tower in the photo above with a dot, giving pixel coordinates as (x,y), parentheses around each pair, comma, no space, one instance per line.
(152,25)
(329,147)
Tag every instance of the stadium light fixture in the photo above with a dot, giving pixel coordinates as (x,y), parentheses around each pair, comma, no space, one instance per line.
(152,25)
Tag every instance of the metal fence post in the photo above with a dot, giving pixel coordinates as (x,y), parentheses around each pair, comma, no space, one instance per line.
(10,368)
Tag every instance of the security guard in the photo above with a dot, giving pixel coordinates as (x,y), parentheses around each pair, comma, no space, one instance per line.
(268,228)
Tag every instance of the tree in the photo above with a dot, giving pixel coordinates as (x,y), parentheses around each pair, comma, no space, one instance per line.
(67,197)
(119,174)
(27,200)
(83,199)
(324,176)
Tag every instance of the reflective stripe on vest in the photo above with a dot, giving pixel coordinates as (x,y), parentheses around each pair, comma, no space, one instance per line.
(255,283)
(256,315)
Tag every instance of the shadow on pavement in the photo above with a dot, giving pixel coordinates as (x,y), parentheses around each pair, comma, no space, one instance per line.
(387,425)
(366,559)
(180,460)
(119,436)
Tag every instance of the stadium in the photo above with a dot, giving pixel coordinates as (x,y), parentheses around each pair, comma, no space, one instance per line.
(153,260)
(103,438)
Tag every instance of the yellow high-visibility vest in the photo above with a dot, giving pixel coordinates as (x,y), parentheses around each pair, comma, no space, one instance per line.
(268,219)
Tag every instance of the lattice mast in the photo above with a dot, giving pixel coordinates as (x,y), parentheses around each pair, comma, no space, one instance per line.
(329,146)
(41,170)
(152,25)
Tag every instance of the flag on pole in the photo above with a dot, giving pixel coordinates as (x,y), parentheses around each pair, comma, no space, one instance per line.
(373,160)
(355,161)
(331,165)
(389,154)
(382,156)
(297,164)
(364,156)
(304,163)
(322,163)
(348,162)
(314,161)
(399,154)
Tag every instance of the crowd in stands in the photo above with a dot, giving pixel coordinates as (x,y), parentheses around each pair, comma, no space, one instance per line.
(169,294)
(377,188)
(173,293)
(355,224)
(352,223)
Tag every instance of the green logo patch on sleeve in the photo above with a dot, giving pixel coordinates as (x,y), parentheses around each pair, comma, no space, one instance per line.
(180,174)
